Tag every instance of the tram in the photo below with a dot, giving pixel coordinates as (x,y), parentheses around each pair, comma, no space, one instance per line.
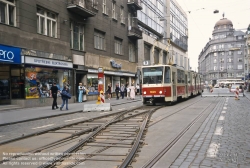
(169,83)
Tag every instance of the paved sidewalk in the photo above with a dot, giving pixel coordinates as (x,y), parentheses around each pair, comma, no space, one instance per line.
(10,115)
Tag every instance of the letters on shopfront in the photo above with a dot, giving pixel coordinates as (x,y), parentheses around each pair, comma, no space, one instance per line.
(10,54)
(115,65)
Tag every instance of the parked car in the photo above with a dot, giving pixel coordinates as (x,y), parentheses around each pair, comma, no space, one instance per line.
(233,88)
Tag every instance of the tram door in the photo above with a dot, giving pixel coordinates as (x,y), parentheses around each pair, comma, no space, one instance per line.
(174,85)
(186,84)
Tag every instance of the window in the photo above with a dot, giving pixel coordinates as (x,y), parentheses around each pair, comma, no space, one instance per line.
(240,67)
(230,75)
(118,46)
(215,60)
(239,74)
(221,68)
(77,36)
(222,60)
(239,59)
(239,37)
(114,14)
(230,60)
(121,15)
(215,54)
(99,40)
(104,7)
(229,67)
(222,53)
(95,4)
(8,12)
(215,68)
(239,52)
(46,23)
(131,53)
(230,53)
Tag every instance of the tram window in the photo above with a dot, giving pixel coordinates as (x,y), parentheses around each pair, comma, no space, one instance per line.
(167,77)
(152,75)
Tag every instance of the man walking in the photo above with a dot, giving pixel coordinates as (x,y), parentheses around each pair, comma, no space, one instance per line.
(53,93)
(117,90)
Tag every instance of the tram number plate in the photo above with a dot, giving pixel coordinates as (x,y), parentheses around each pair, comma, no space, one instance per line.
(152,91)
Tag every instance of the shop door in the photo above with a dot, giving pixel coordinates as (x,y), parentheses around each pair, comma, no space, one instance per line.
(4,84)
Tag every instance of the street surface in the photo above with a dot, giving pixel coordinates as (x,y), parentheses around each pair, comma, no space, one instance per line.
(219,138)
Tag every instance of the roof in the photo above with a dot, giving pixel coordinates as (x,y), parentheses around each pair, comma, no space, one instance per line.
(223,21)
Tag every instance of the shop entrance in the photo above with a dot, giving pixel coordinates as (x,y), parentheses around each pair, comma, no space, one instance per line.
(4,84)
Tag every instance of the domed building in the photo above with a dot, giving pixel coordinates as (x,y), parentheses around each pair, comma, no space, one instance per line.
(221,61)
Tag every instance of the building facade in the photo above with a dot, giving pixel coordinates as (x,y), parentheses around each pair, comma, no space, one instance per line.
(65,42)
(162,40)
(221,61)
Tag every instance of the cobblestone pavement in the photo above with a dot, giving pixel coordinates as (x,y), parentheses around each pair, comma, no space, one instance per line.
(223,140)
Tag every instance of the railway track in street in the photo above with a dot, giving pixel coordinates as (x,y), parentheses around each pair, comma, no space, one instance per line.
(112,139)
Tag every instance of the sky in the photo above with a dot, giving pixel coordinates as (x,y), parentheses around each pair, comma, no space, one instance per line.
(201,21)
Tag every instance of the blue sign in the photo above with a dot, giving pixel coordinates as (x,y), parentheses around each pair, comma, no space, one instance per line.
(10,54)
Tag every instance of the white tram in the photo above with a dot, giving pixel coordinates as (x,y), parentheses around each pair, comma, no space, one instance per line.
(169,83)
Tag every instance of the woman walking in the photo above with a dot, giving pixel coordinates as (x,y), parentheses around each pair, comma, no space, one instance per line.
(80,92)
(109,91)
(132,92)
(65,98)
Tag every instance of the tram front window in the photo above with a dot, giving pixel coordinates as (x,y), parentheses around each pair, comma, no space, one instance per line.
(152,75)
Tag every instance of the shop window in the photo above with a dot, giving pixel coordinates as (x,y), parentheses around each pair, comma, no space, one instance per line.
(46,23)
(92,86)
(77,36)
(39,80)
(8,12)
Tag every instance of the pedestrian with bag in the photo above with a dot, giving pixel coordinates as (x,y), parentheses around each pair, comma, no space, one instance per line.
(65,97)
(117,90)
(53,93)
(109,91)
(122,91)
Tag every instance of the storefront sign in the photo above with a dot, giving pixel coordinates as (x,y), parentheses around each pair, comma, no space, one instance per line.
(10,54)
(48,62)
(115,65)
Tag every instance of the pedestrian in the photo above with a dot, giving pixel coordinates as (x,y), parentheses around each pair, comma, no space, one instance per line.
(236,93)
(128,90)
(132,92)
(137,89)
(126,87)
(109,91)
(53,93)
(122,91)
(80,92)
(241,89)
(65,98)
(117,90)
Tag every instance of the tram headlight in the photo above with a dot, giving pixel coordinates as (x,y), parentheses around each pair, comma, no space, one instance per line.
(160,92)
(144,92)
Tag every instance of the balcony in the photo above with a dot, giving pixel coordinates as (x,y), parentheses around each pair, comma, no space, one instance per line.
(134,4)
(134,32)
(81,7)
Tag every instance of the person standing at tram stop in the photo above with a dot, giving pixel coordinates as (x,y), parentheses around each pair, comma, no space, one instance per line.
(53,93)
(132,92)
(65,99)
(109,91)
(137,89)
(80,92)
(117,90)
(122,91)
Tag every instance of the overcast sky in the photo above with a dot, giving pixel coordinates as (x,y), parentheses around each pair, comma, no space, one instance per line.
(201,21)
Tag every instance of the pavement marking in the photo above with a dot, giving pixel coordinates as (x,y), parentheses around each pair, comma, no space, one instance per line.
(2,136)
(224,107)
(74,119)
(213,150)
(222,118)
(218,131)
(121,109)
(104,112)
(43,126)
(223,112)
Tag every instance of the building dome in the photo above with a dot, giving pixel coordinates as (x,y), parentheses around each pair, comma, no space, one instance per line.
(223,21)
